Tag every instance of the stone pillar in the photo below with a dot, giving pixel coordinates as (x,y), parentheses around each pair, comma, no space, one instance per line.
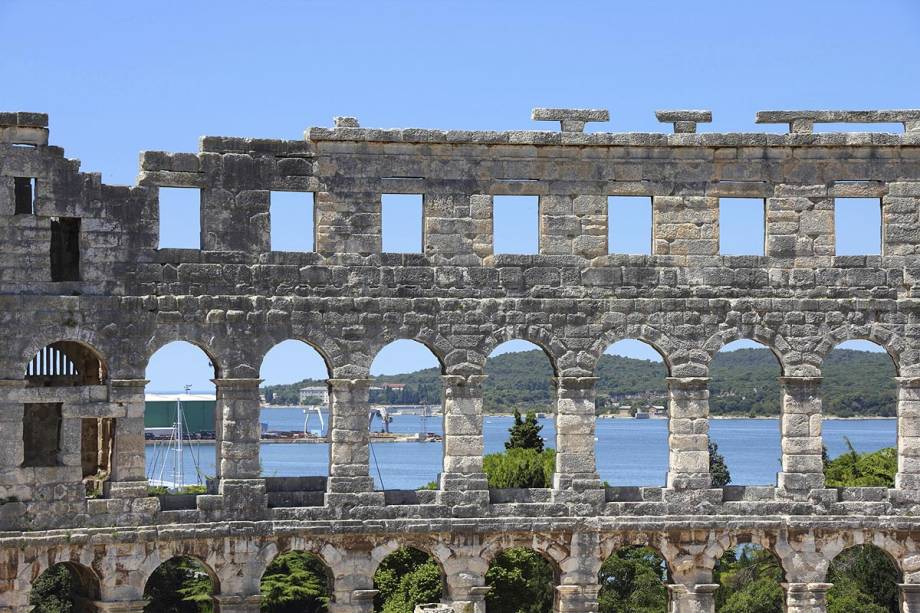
(573,225)
(576,467)
(452,228)
(806,597)
(910,597)
(238,435)
(347,222)
(698,598)
(349,443)
(11,419)
(470,599)
(237,423)
(688,433)
(800,432)
(361,601)
(908,475)
(462,474)
(235,603)
(128,478)
(124,606)
(576,598)
(685,225)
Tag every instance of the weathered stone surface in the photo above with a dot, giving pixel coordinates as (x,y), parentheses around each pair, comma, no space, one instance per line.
(236,298)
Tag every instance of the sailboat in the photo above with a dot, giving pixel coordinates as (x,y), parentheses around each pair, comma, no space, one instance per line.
(171,454)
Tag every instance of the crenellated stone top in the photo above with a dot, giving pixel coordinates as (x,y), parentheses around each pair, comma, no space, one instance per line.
(802,122)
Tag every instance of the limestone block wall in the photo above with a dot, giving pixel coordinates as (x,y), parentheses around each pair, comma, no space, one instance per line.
(236,298)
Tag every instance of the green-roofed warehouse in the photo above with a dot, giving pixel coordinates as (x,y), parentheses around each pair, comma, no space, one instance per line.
(160,411)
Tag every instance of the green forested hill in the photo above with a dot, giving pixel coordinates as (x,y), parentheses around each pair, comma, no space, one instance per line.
(743,382)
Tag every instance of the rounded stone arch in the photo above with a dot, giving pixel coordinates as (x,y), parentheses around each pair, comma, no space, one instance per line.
(555,552)
(439,346)
(207,346)
(85,338)
(320,550)
(560,358)
(893,344)
(840,541)
(787,359)
(643,333)
(438,551)
(88,578)
(157,558)
(71,346)
(731,539)
(613,543)
(265,344)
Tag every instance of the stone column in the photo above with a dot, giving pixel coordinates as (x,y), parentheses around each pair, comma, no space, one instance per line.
(576,466)
(800,432)
(361,601)
(698,598)
(806,597)
(238,435)
(11,419)
(462,476)
(235,603)
(910,597)
(908,475)
(349,443)
(128,479)
(576,598)
(688,433)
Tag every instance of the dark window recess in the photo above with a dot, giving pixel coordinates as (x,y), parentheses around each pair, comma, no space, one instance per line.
(65,248)
(25,195)
(41,434)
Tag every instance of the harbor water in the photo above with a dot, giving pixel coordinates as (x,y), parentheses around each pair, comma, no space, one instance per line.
(629,451)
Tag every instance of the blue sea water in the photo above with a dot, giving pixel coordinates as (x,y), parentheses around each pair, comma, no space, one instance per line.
(629,451)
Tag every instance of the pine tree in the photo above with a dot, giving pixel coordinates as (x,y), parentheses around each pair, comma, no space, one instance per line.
(525,433)
(718,469)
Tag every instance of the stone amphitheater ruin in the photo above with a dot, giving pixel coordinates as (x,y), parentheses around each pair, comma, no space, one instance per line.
(80,324)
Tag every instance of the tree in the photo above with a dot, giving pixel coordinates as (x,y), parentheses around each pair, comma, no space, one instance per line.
(179,585)
(718,469)
(295,582)
(853,469)
(58,590)
(521,581)
(406,578)
(527,468)
(868,570)
(632,581)
(525,433)
(749,582)
(846,597)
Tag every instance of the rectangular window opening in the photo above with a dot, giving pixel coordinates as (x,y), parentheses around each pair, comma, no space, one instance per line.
(41,434)
(24,188)
(65,248)
(180,218)
(292,221)
(858,226)
(516,224)
(401,222)
(741,226)
(629,224)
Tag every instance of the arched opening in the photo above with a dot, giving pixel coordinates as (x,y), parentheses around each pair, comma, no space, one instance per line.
(750,579)
(865,579)
(67,364)
(66,586)
(518,430)
(632,411)
(406,578)
(521,581)
(745,403)
(295,421)
(859,403)
(634,578)
(405,416)
(296,582)
(180,420)
(180,585)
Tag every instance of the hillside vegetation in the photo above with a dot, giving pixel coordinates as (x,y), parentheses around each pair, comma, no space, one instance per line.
(743,383)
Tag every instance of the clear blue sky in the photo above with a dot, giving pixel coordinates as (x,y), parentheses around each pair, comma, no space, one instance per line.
(120,77)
